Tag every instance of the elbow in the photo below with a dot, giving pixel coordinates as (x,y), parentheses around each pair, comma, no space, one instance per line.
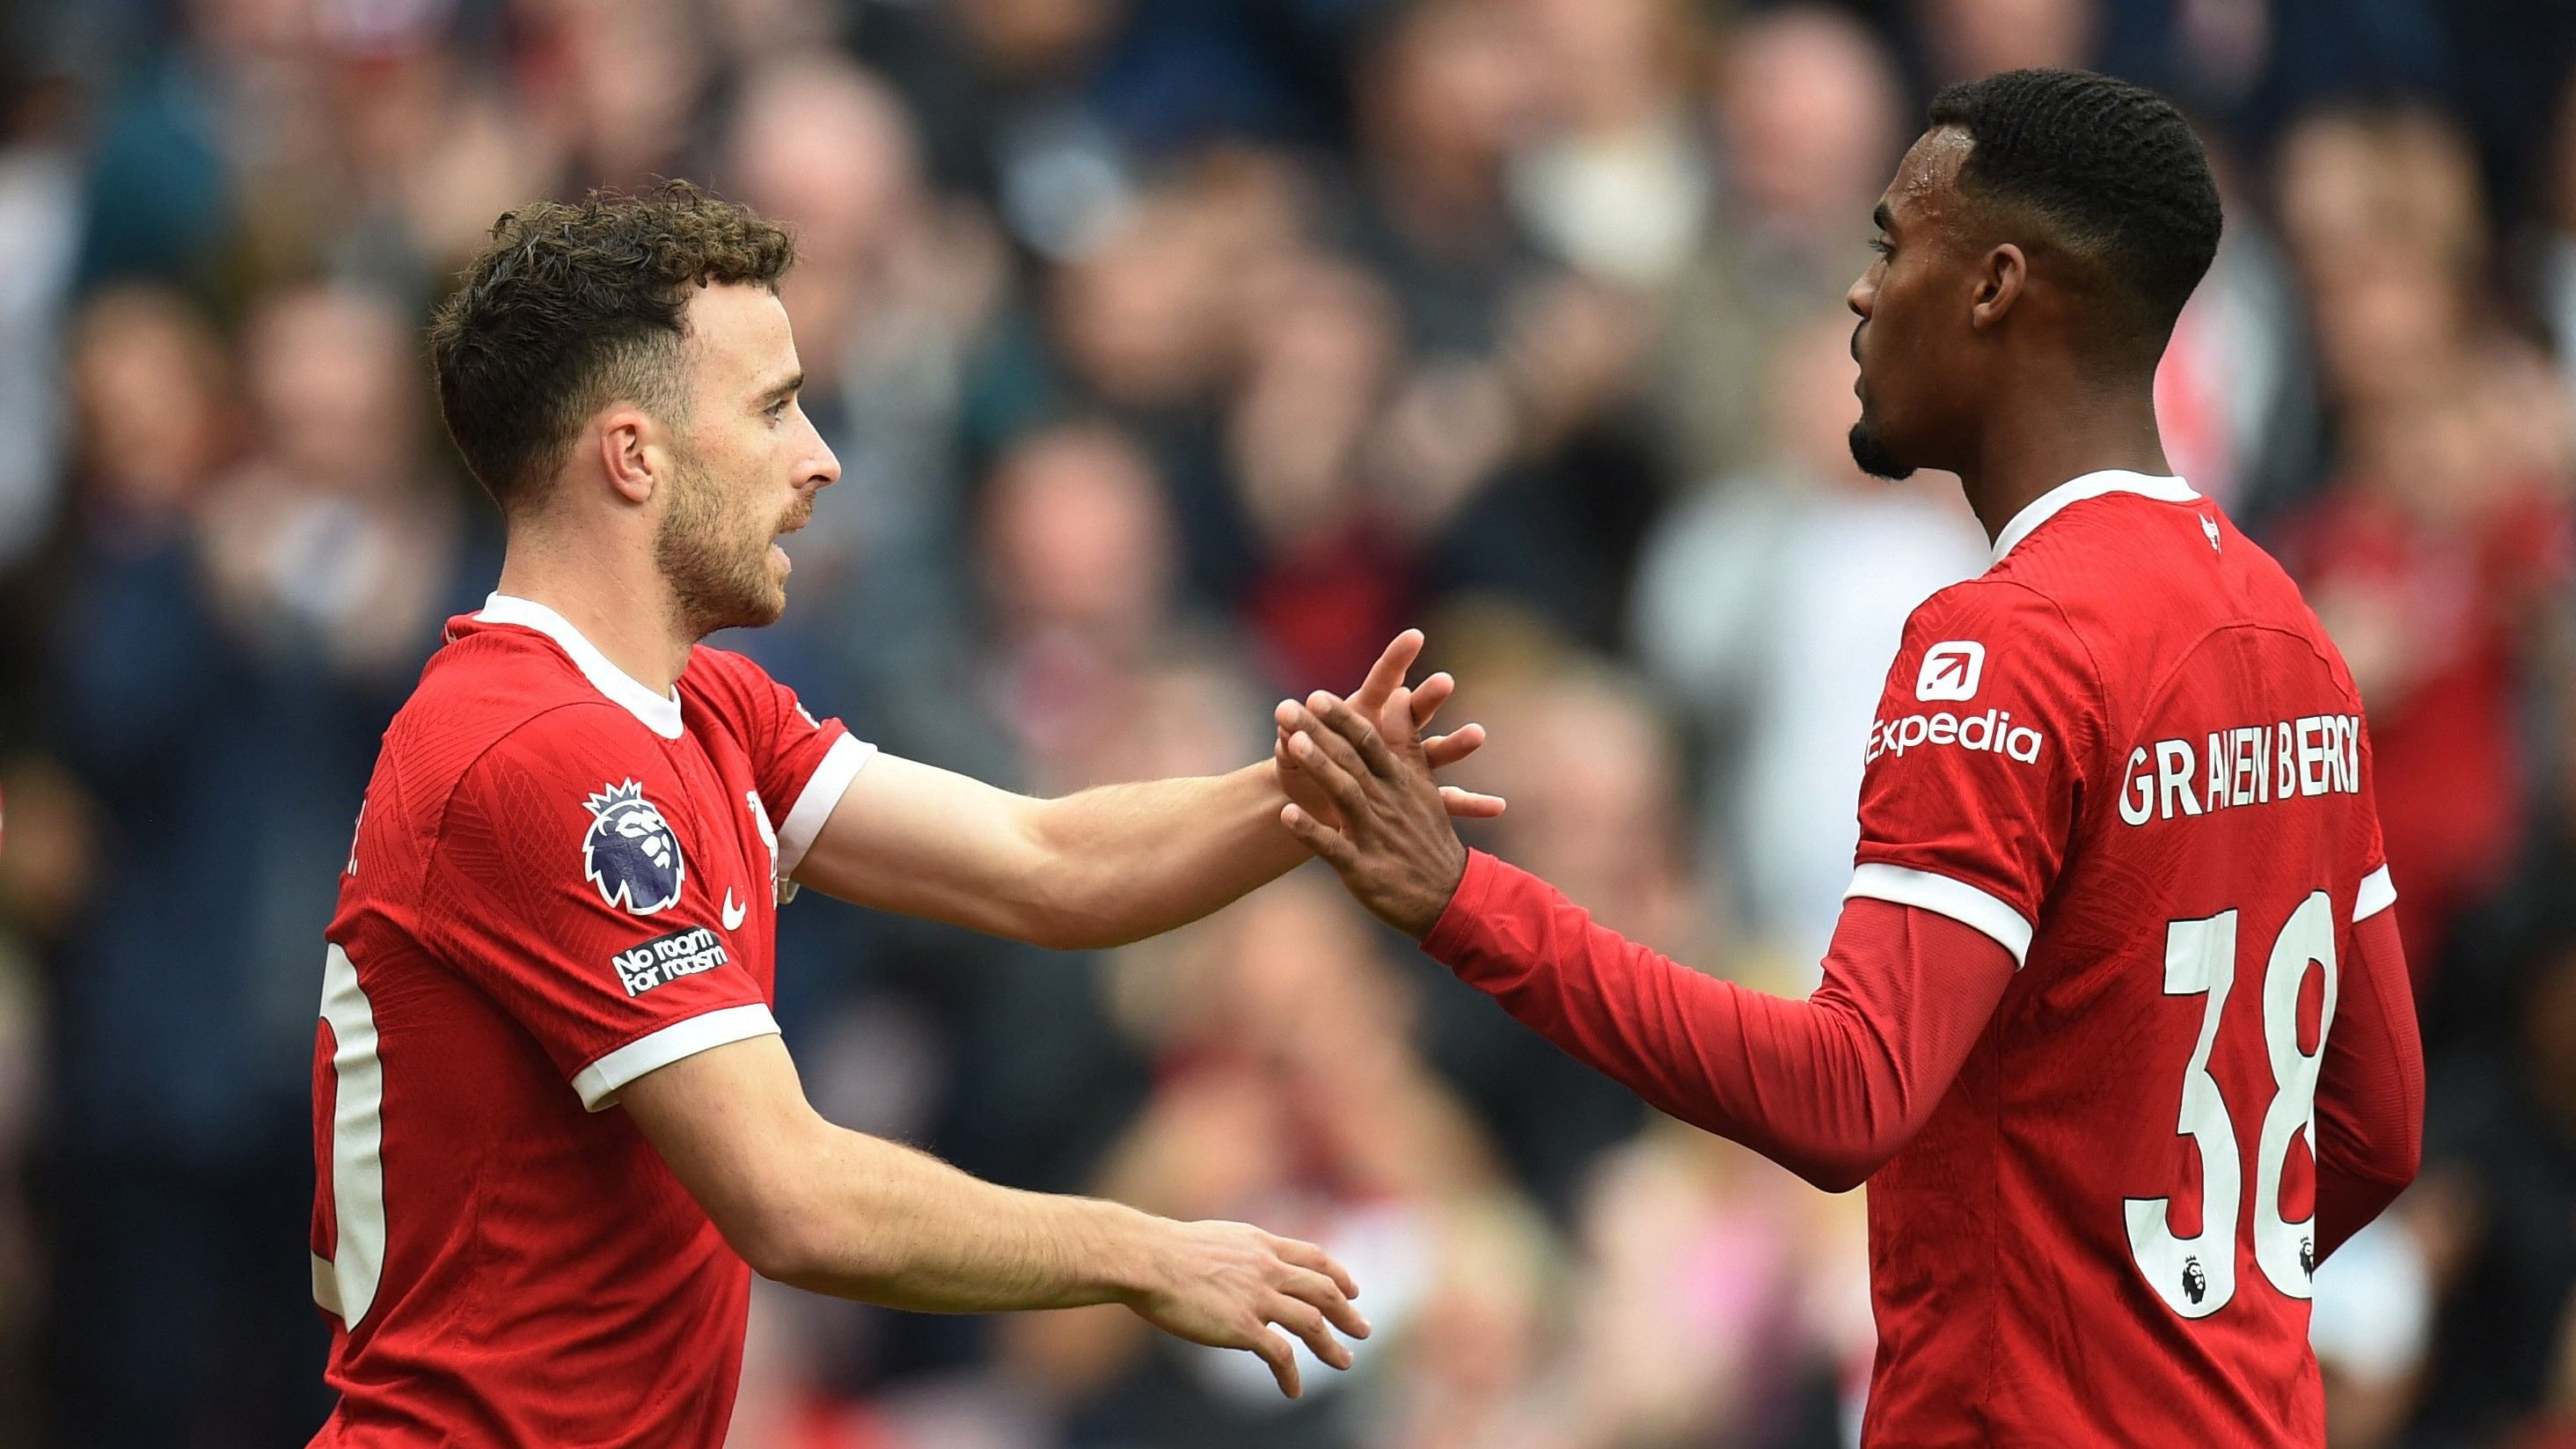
(778,1243)
(1836,1178)
(789,1240)
(1834,1155)
(1840,1166)
(1841,1172)
(798,1253)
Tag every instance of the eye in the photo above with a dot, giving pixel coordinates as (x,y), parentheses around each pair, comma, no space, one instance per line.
(1882,246)
(778,409)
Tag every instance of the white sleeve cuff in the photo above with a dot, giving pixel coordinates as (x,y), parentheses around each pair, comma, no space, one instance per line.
(841,764)
(1942,895)
(2377,894)
(601,1081)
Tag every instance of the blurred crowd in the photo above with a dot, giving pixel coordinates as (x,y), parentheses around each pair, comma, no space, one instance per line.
(1177,353)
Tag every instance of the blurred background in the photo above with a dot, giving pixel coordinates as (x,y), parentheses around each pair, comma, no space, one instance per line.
(1178,352)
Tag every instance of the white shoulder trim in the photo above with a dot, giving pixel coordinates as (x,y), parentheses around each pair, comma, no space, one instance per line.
(1942,895)
(841,765)
(659,712)
(601,1081)
(2377,894)
(2092,485)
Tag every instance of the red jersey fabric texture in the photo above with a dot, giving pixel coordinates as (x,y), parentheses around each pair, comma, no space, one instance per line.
(561,880)
(2116,1022)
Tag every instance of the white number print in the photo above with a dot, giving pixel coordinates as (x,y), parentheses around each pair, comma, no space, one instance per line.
(2196,1276)
(345,1283)
(2287,1251)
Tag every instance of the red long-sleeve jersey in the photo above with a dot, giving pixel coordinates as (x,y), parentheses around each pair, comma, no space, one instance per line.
(2116,1022)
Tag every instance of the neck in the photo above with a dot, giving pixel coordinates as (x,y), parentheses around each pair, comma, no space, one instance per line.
(615,598)
(2043,434)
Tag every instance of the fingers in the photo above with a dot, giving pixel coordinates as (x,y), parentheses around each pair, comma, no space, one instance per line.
(1307,1321)
(1274,1351)
(1334,744)
(1307,1255)
(1429,695)
(1335,847)
(1405,736)
(1468,805)
(1442,751)
(1331,763)
(1309,1286)
(1356,728)
(1390,668)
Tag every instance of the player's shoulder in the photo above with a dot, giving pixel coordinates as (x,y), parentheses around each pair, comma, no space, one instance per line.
(1993,645)
(2146,581)
(1994,597)
(498,693)
(1996,615)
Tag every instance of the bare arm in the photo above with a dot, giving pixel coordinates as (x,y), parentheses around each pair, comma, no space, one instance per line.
(1099,868)
(838,1212)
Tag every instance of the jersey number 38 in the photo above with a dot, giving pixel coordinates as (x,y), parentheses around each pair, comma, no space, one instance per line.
(2196,1276)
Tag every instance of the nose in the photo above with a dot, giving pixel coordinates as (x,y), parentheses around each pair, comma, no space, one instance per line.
(1861,297)
(824,470)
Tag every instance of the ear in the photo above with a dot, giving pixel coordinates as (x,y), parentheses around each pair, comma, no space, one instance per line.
(2000,277)
(630,453)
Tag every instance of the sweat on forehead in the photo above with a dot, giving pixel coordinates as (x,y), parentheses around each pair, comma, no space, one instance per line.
(1926,177)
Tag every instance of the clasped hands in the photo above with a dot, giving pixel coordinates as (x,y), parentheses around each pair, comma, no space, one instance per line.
(1362,792)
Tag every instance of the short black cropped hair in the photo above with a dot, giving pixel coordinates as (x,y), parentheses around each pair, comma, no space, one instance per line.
(573,306)
(2110,172)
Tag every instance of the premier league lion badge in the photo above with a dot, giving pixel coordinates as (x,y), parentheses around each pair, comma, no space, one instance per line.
(631,853)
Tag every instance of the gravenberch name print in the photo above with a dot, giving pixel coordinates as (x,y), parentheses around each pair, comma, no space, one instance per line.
(2261,764)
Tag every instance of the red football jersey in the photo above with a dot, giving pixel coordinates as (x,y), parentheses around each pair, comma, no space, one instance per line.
(561,880)
(2129,753)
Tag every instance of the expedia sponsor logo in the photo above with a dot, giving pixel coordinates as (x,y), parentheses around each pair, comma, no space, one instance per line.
(1951,670)
(668,958)
(1991,733)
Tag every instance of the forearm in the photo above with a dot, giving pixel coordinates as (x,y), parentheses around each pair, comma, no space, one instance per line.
(1829,1087)
(1131,861)
(885,1224)
(2370,1092)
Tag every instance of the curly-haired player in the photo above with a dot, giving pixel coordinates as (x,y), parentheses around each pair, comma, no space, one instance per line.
(2115,1023)
(553,1117)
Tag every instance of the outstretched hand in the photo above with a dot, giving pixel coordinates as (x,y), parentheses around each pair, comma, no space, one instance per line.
(1390,839)
(1225,1284)
(1372,700)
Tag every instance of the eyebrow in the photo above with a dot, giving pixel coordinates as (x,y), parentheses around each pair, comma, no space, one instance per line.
(1882,218)
(784,388)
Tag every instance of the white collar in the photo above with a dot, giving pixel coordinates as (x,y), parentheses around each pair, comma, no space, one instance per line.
(659,712)
(2092,485)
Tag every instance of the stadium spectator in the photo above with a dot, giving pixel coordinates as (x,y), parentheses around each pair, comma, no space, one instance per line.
(1808,116)
(1759,603)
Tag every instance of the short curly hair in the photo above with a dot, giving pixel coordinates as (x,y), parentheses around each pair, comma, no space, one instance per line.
(2111,173)
(573,306)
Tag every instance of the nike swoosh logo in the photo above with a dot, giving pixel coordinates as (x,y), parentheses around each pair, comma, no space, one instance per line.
(733,911)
